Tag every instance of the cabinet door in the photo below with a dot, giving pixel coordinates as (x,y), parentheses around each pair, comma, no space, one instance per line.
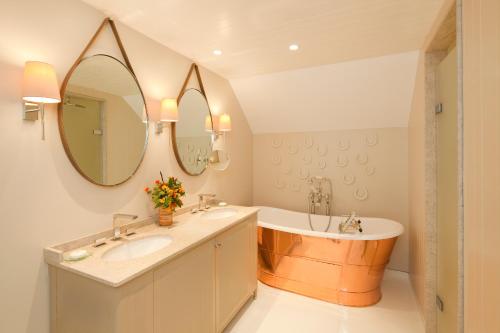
(184,293)
(252,229)
(234,263)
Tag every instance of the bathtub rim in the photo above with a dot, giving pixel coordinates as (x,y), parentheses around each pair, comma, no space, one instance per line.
(398,229)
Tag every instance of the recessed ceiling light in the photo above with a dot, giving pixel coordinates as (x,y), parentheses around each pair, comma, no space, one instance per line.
(217,52)
(293,47)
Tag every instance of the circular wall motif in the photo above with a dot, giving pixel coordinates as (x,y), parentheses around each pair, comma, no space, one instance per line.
(322,150)
(279,184)
(343,144)
(303,173)
(276,143)
(342,161)
(348,179)
(370,170)
(276,159)
(308,142)
(371,140)
(362,158)
(292,149)
(286,169)
(294,187)
(361,194)
(307,158)
(322,164)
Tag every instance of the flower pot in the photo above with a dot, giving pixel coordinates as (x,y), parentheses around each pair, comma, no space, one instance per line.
(166,217)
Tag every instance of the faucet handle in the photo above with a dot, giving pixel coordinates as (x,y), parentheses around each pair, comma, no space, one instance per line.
(120,220)
(202,201)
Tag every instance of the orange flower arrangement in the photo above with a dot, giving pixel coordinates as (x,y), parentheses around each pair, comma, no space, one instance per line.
(167,194)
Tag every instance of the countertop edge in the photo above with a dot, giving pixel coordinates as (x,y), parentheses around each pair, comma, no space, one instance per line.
(49,258)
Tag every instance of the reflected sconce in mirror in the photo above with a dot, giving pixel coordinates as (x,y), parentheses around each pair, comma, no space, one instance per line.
(169,113)
(219,158)
(39,88)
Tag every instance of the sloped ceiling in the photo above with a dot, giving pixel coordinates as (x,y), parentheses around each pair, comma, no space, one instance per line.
(254,35)
(369,93)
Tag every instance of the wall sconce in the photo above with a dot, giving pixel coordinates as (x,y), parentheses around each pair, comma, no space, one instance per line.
(39,88)
(224,123)
(168,113)
(219,158)
(221,125)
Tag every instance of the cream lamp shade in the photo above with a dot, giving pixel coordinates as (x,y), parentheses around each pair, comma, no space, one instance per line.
(211,123)
(40,83)
(169,111)
(224,123)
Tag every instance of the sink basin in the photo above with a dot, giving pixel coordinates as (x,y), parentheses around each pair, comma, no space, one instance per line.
(137,248)
(220,213)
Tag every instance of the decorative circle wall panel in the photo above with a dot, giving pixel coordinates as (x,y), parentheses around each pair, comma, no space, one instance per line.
(279,184)
(276,143)
(371,140)
(322,150)
(362,158)
(370,170)
(348,179)
(292,149)
(276,159)
(361,194)
(342,161)
(343,144)
(303,173)
(308,142)
(307,158)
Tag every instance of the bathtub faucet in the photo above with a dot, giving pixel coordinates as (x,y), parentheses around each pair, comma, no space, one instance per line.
(351,224)
(320,195)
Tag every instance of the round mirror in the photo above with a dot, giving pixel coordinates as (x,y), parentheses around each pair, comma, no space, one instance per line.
(192,134)
(103,120)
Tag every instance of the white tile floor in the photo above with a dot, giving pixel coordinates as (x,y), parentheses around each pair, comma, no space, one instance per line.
(277,311)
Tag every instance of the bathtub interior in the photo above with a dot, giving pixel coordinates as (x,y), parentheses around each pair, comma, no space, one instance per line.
(296,222)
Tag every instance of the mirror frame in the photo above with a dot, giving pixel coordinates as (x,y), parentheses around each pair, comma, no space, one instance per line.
(60,110)
(173,124)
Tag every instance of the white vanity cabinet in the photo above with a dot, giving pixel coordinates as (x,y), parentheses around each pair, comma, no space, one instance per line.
(199,291)
(184,292)
(236,270)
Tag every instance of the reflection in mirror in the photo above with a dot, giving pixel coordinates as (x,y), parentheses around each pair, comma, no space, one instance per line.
(192,140)
(103,120)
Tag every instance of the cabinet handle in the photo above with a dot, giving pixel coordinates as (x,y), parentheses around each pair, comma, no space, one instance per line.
(218,244)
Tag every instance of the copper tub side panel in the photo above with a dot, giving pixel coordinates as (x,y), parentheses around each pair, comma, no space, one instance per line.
(347,272)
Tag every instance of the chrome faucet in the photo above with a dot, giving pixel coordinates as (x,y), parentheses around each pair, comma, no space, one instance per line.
(120,220)
(202,202)
(321,194)
(351,224)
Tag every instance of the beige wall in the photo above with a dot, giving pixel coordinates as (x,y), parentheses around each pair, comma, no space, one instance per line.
(481,36)
(371,160)
(366,93)
(43,200)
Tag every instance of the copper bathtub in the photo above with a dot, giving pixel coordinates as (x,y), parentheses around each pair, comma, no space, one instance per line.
(345,269)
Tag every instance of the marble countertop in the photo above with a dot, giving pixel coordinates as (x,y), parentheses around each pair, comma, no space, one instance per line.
(188,231)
